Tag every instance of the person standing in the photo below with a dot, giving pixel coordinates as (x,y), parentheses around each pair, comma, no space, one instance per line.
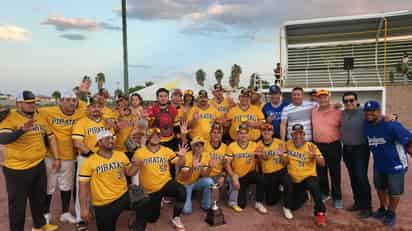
(387,142)
(102,177)
(273,109)
(356,154)
(326,121)
(61,120)
(23,133)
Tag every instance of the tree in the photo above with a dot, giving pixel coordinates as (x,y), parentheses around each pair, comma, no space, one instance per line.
(235,76)
(56,95)
(100,80)
(118,92)
(148,83)
(200,77)
(219,76)
(135,88)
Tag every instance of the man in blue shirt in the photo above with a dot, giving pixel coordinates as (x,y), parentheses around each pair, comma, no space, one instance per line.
(273,109)
(387,141)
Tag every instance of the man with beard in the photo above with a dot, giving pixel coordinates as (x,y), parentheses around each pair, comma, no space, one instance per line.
(23,134)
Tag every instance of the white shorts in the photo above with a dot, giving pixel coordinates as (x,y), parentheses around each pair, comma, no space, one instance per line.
(63,178)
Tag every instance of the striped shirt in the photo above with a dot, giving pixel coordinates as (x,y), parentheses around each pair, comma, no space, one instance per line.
(301,114)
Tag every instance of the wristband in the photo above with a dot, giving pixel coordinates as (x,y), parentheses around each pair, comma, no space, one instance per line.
(87,154)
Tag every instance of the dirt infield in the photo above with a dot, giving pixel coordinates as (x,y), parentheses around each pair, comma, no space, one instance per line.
(250,219)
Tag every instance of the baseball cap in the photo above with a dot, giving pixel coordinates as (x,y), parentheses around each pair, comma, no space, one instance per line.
(152,131)
(68,94)
(218,87)
(177,91)
(245,92)
(266,126)
(197,139)
(371,105)
(103,134)
(188,92)
(322,92)
(91,100)
(202,93)
(314,92)
(26,97)
(297,128)
(274,89)
(242,126)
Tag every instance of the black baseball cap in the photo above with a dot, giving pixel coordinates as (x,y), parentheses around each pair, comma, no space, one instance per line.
(297,128)
(218,87)
(202,93)
(274,89)
(26,97)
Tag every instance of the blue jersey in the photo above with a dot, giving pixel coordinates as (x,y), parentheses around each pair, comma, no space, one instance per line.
(269,110)
(387,142)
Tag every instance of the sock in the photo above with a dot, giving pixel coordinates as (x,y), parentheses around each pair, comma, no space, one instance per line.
(65,197)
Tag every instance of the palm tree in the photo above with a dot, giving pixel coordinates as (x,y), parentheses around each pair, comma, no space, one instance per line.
(235,76)
(200,77)
(118,92)
(148,83)
(219,76)
(100,80)
(56,95)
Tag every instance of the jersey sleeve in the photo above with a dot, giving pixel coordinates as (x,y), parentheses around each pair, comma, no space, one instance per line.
(190,113)
(8,125)
(259,115)
(78,131)
(171,155)
(401,133)
(229,153)
(230,114)
(85,172)
(284,114)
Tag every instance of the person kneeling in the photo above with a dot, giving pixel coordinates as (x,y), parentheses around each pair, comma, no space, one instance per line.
(104,174)
(301,159)
(194,175)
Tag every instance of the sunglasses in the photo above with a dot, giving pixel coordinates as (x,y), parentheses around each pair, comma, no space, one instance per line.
(267,127)
(348,100)
(151,131)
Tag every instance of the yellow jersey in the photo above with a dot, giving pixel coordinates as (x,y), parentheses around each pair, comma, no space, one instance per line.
(203,125)
(155,172)
(252,114)
(86,131)
(204,163)
(300,164)
(223,107)
(127,124)
(106,176)
(218,154)
(108,113)
(242,160)
(274,163)
(30,148)
(61,125)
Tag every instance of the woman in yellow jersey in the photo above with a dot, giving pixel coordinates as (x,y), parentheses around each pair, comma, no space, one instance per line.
(102,175)
(301,159)
(241,167)
(22,133)
(194,175)
(274,170)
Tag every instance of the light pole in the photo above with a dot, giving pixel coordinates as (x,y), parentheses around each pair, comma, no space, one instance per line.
(125,61)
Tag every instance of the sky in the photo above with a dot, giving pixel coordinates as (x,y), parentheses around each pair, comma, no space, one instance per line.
(50,45)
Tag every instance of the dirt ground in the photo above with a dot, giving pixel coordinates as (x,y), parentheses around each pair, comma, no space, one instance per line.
(250,219)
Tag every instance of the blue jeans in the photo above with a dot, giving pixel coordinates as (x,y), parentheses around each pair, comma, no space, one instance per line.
(202,184)
(356,159)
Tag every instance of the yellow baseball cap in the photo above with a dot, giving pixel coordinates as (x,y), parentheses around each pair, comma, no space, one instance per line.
(322,92)
(197,139)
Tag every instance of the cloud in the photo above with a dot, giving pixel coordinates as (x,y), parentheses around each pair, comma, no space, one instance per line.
(62,23)
(249,16)
(74,37)
(14,33)
(140,66)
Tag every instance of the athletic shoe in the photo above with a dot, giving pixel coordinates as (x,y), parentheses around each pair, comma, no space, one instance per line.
(353,208)
(177,223)
(390,219)
(67,218)
(287,213)
(260,208)
(320,219)
(236,208)
(47,227)
(365,213)
(380,213)
(47,216)
(81,226)
(325,198)
(337,204)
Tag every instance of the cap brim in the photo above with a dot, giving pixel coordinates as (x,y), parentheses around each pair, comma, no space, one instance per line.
(195,142)
(27,101)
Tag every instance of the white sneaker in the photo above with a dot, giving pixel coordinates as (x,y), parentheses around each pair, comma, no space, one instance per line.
(260,208)
(68,218)
(177,223)
(287,213)
(47,216)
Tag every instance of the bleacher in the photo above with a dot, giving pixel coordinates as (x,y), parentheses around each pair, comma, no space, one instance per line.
(316,60)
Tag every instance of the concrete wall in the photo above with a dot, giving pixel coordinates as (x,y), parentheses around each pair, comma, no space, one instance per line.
(399,101)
